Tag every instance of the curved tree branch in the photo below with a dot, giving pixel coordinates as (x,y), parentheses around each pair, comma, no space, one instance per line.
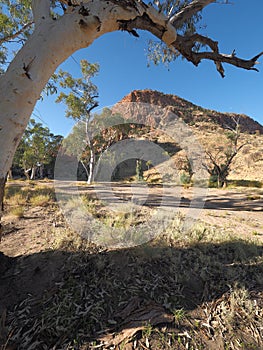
(185,45)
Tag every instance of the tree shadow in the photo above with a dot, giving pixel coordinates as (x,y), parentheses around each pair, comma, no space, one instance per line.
(175,197)
(84,293)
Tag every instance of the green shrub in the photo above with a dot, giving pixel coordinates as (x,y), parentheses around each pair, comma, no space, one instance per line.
(185,179)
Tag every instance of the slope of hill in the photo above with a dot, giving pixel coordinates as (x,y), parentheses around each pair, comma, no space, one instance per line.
(191,113)
(208,126)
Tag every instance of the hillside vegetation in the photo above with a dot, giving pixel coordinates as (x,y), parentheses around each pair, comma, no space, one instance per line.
(209,127)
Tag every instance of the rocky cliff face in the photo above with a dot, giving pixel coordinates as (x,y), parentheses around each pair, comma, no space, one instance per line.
(193,114)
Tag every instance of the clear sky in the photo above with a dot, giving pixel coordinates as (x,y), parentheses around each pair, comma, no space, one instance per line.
(123,67)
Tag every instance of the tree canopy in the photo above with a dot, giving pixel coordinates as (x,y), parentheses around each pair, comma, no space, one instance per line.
(37,149)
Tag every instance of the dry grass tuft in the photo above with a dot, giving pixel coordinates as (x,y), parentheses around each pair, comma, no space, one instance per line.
(36,195)
(16,199)
(40,200)
(17,211)
(67,240)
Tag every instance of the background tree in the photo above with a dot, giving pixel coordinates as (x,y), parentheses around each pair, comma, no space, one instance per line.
(80,101)
(89,140)
(38,148)
(221,154)
(185,167)
(68,26)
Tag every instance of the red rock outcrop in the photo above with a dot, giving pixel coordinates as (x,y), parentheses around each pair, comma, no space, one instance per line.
(191,113)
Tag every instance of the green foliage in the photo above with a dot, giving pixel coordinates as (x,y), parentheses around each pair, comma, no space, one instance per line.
(15,25)
(80,99)
(179,315)
(213,181)
(82,92)
(185,179)
(104,130)
(38,146)
(94,133)
(158,52)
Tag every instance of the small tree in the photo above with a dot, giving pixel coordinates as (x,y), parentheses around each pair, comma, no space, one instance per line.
(220,156)
(80,101)
(185,167)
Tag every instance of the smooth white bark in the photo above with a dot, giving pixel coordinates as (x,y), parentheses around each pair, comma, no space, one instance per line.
(91,166)
(41,10)
(33,173)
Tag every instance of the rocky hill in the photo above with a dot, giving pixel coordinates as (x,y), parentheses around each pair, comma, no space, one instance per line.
(208,126)
(191,113)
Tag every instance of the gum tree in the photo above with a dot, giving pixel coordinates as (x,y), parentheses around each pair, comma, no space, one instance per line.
(80,101)
(95,133)
(49,31)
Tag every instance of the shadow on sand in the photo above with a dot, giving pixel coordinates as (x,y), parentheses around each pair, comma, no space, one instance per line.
(66,296)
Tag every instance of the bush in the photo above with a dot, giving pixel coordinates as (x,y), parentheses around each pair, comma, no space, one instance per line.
(185,179)
(212,181)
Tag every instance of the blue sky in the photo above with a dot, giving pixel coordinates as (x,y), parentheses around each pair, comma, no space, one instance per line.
(123,67)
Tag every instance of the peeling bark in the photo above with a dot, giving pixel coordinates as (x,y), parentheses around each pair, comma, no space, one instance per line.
(22,84)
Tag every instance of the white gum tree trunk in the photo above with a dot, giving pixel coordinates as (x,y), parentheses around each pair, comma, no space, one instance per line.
(91,165)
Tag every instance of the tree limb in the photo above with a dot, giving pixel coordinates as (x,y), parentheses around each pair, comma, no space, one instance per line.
(16,34)
(185,45)
(41,10)
(94,105)
(188,12)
